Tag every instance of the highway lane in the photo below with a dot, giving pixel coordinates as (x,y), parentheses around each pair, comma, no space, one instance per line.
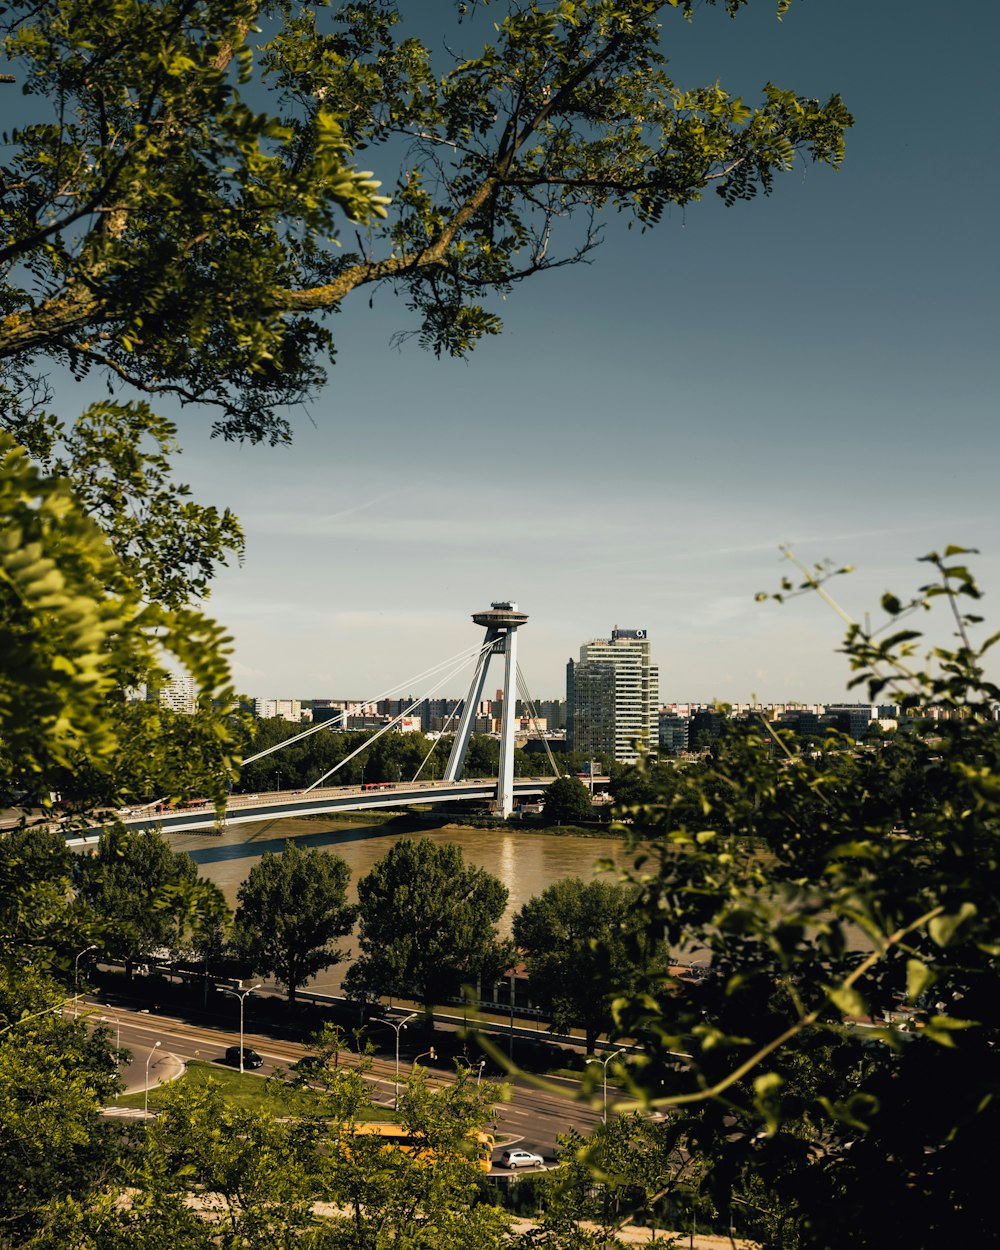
(532,1118)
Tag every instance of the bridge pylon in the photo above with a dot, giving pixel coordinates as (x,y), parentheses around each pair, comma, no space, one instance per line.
(501,622)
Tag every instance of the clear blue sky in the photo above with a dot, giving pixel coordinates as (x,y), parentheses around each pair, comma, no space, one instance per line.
(816,368)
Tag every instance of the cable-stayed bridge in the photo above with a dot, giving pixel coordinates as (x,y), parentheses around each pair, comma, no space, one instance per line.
(244,808)
(501,622)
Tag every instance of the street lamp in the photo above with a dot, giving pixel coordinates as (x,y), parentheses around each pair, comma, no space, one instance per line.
(604,1063)
(145,1092)
(76,977)
(118,1025)
(397,1025)
(513,974)
(479,1078)
(241,994)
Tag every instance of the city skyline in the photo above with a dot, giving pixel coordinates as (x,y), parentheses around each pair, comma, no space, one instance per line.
(814,368)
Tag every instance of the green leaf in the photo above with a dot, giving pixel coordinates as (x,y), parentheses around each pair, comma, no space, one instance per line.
(918,978)
(848,1001)
(942,929)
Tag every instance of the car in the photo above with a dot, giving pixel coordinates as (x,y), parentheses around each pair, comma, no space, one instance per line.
(521,1159)
(310,1065)
(250,1057)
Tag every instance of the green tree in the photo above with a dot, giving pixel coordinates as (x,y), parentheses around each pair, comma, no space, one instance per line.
(579,942)
(41,922)
(482,757)
(54,1075)
(620,1175)
(391,1197)
(197,918)
(173,199)
(118,459)
(290,909)
(820,896)
(567,800)
(75,632)
(135,884)
(428,924)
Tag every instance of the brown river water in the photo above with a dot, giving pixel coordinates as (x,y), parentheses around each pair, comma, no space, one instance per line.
(527,863)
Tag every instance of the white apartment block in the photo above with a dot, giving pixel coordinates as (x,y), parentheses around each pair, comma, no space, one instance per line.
(180,694)
(286,709)
(614,697)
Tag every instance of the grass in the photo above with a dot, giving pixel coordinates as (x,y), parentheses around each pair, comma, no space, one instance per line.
(240,1090)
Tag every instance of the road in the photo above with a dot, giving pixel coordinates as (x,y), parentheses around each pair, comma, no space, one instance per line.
(532,1119)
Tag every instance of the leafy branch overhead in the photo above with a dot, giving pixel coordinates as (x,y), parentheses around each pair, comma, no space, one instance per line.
(74,632)
(173,201)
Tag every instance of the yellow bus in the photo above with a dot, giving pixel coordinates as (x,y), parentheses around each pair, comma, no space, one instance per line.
(399,1137)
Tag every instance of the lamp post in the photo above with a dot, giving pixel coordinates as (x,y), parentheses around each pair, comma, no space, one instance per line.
(145,1092)
(241,994)
(396,1025)
(513,974)
(76,977)
(479,1077)
(118,1035)
(604,1063)
(118,1025)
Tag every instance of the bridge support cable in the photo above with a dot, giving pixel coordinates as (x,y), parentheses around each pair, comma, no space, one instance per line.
(444,730)
(395,721)
(522,687)
(462,656)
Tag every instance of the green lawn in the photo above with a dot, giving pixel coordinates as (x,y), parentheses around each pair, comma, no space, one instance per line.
(239,1089)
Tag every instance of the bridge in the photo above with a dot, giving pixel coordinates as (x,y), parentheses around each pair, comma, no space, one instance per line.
(241,809)
(501,622)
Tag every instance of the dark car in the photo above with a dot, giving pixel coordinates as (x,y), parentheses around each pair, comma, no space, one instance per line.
(250,1057)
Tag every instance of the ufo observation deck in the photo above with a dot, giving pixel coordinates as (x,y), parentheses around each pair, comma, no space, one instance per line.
(503,615)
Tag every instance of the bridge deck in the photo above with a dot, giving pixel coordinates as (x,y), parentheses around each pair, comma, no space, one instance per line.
(244,808)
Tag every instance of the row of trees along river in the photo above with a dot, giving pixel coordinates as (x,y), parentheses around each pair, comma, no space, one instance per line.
(393,757)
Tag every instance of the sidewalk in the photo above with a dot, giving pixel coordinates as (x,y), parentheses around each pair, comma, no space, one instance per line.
(632,1235)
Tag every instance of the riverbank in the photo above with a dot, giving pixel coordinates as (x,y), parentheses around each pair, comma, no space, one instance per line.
(421,821)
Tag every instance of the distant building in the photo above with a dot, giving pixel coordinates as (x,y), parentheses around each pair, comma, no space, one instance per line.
(180,694)
(704,727)
(851,718)
(613,697)
(673,732)
(283,709)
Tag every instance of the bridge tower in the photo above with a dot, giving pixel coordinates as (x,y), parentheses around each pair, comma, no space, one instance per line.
(501,623)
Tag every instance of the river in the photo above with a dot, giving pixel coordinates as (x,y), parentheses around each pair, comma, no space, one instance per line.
(527,863)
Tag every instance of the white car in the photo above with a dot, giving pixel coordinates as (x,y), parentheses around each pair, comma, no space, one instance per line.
(521,1159)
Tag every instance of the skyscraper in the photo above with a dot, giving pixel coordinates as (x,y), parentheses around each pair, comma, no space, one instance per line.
(613,697)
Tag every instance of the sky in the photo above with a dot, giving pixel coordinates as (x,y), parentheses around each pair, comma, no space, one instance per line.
(817,368)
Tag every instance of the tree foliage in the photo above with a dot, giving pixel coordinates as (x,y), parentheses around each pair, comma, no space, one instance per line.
(428,924)
(54,1076)
(620,1174)
(74,634)
(291,908)
(119,460)
(579,941)
(41,923)
(826,889)
(174,195)
(147,897)
(567,800)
